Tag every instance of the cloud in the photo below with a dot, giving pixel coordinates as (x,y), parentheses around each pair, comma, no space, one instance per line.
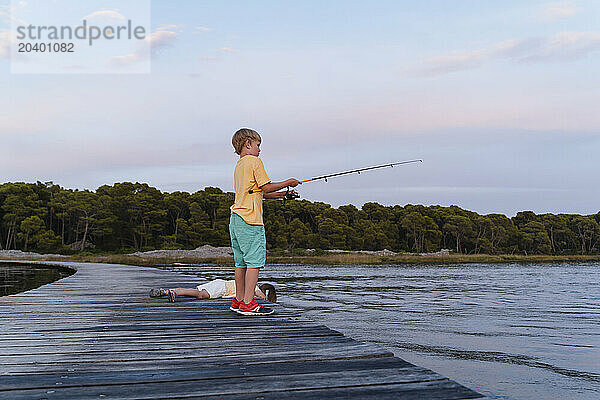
(558,10)
(200,29)
(171,27)
(106,16)
(5,38)
(160,39)
(227,49)
(127,59)
(451,62)
(151,45)
(564,46)
(7,13)
(8,39)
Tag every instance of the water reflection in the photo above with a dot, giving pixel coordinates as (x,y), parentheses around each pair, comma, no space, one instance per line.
(20,277)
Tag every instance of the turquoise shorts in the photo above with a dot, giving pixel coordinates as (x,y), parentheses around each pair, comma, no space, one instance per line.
(248,242)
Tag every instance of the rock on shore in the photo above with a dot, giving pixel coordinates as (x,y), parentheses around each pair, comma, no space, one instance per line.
(385,252)
(206,251)
(25,254)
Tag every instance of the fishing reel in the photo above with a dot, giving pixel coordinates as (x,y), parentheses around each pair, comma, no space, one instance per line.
(290,195)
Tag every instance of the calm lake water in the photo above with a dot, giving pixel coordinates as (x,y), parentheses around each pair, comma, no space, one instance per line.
(16,277)
(508,331)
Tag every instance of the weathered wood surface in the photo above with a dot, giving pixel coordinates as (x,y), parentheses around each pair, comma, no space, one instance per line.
(97,334)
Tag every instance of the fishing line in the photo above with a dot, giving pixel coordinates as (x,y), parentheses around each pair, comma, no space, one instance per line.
(354,171)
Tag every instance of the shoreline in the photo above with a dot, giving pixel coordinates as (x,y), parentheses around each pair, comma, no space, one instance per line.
(322,259)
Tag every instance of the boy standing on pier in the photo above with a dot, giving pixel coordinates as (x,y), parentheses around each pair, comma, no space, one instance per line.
(246,228)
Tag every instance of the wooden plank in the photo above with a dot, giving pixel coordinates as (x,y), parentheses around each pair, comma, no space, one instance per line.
(6,339)
(237,385)
(335,350)
(59,342)
(198,371)
(224,326)
(274,357)
(192,344)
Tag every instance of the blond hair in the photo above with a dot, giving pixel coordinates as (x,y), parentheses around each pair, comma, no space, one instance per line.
(241,136)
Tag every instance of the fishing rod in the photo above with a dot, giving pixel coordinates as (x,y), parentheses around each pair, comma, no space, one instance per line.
(354,171)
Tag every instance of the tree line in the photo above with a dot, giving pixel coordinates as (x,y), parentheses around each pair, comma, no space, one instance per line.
(127,217)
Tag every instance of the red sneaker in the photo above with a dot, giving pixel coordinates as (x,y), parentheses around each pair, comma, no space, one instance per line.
(254,309)
(235,305)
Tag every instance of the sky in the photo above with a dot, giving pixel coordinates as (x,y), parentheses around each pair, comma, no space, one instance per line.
(498,98)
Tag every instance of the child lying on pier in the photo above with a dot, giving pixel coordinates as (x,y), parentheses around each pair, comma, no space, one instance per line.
(215,289)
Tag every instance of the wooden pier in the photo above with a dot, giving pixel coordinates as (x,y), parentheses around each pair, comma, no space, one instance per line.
(97,335)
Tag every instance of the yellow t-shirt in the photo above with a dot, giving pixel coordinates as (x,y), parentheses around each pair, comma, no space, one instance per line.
(230,289)
(249,175)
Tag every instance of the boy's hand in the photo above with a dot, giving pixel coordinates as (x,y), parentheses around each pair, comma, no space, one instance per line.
(292,182)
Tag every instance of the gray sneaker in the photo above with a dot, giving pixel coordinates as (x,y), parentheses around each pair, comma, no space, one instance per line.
(158,293)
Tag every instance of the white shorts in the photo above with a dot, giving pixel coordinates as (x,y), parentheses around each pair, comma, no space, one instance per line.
(215,289)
